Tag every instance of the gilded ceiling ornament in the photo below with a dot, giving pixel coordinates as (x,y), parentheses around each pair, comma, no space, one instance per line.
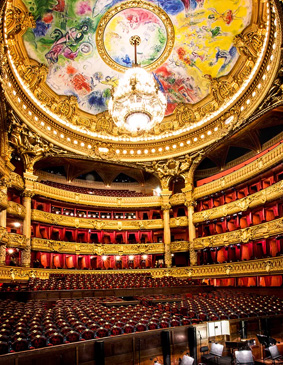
(153,11)
(33,75)
(18,20)
(29,145)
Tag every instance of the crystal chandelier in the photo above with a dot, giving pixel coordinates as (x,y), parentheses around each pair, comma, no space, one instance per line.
(137,104)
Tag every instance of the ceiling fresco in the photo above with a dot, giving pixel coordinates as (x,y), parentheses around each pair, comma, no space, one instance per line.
(214,60)
(64,39)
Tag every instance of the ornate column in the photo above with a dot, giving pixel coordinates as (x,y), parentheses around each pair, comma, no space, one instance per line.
(165,194)
(27,195)
(190,204)
(3,221)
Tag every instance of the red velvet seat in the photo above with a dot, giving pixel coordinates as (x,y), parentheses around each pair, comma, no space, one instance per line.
(87,334)
(102,332)
(20,344)
(38,341)
(128,328)
(56,339)
(140,327)
(115,331)
(72,336)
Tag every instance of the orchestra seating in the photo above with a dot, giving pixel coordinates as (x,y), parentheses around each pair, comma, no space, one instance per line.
(37,324)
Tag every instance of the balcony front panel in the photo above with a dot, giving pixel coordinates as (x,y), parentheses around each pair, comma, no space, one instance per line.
(96,200)
(244,235)
(249,171)
(253,268)
(16,241)
(269,194)
(3,201)
(17,210)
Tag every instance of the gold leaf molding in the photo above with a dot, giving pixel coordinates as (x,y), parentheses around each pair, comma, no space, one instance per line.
(244,235)
(241,205)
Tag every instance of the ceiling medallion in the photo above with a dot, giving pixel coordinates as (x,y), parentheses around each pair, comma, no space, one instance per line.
(157,45)
(137,104)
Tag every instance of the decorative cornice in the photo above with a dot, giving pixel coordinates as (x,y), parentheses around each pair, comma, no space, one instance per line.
(180,246)
(95,200)
(177,199)
(3,236)
(244,235)
(120,225)
(268,266)
(17,241)
(241,205)
(17,210)
(16,181)
(179,222)
(249,171)
(3,200)
(89,223)
(38,244)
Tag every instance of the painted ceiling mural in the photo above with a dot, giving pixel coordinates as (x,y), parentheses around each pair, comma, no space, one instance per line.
(65,40)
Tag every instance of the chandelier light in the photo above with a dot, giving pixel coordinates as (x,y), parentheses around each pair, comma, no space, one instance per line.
(137,104)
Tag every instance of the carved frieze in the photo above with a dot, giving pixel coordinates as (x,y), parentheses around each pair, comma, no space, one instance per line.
(38,244)
(244,235)
(3,201)
(17,241)
(3,236)
(253,169)
(95,200)
(17,210)
(178,222)
(177,199)
(63,220)
(249,202)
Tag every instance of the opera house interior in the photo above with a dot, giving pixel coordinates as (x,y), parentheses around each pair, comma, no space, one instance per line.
(141,182)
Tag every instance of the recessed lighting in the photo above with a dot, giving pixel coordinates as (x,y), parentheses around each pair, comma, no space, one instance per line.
(125,152)
(167,148)
(146,152)
(174,146)
(62,135)
(188,141)
(117,151)
(209,133)
(132,152)
(202,136)
(82,144)
(75,142)
(139,152)
(153,150)
(195,139)
(181,144)
(160,149)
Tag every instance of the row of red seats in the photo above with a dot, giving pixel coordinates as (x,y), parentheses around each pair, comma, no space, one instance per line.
(104,281)
(33,325)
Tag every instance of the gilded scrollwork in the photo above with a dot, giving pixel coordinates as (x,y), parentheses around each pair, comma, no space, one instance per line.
(3,201)
(3,236)
(33,75)
(16,181)
(18,20)
(273,192)
(38,244)
(16,209)
(244,235)
(29,145)
(17,241)
(254,168)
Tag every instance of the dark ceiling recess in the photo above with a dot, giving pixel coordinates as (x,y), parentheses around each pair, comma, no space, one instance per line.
(57,170)
(266,134)
(123,178)
(90,176)
(206,164)
(235,152)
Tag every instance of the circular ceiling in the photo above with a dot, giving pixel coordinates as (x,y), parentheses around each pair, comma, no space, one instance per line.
(214,60)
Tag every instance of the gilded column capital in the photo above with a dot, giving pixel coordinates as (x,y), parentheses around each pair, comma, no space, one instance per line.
(166,206)
(28,194)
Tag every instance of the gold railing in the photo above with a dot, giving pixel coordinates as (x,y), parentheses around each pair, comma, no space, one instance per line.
(38,244)
(96,200)
(261,267)
(89,223)
(249,171)
(263,230)
(18,210)
(16,241)
(249,202)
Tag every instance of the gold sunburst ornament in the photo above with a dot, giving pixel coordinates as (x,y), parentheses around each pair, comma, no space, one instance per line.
(137,104)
